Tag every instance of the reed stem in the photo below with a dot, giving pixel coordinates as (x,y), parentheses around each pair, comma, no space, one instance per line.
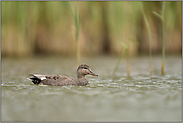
(77,35)
(149,37)
(121,56)
(162,34)
(76,18)
(127,59)
(163,40)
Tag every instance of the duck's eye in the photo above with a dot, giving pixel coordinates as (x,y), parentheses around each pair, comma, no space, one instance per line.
(85,68)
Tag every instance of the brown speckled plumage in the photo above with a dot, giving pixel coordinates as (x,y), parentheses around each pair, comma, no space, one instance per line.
(62,80)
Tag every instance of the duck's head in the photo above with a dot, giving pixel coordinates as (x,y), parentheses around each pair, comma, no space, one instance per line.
(83,70)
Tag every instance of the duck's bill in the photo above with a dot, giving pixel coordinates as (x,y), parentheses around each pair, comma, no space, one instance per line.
(91,73)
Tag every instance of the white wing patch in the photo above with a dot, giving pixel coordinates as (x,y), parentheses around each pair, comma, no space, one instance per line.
(42,77)
(28,78)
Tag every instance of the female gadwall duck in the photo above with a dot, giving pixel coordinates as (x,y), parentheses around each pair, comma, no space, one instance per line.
(61,80)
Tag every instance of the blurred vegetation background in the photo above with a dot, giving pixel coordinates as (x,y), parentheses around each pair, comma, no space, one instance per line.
(31,28)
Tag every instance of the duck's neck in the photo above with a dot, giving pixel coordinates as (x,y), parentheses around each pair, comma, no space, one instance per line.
(82,80)
(79,76)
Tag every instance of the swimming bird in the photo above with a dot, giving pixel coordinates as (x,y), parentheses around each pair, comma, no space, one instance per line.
(62,80)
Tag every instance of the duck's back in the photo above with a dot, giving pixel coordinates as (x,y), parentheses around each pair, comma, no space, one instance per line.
(59,80)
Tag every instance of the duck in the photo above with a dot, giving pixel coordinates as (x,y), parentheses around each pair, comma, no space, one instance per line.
(63,80)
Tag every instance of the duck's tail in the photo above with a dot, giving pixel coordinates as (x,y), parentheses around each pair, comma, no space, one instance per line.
(34,79)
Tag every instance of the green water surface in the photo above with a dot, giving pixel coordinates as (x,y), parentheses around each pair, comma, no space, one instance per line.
(106,97)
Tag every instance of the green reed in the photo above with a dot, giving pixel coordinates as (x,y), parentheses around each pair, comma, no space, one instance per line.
(127,56)
(121,56)
(24,22)
(162,33)
(76,17)
(127,59)
(149,37)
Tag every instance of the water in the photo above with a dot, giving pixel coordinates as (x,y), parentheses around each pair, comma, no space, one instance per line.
(106,98)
